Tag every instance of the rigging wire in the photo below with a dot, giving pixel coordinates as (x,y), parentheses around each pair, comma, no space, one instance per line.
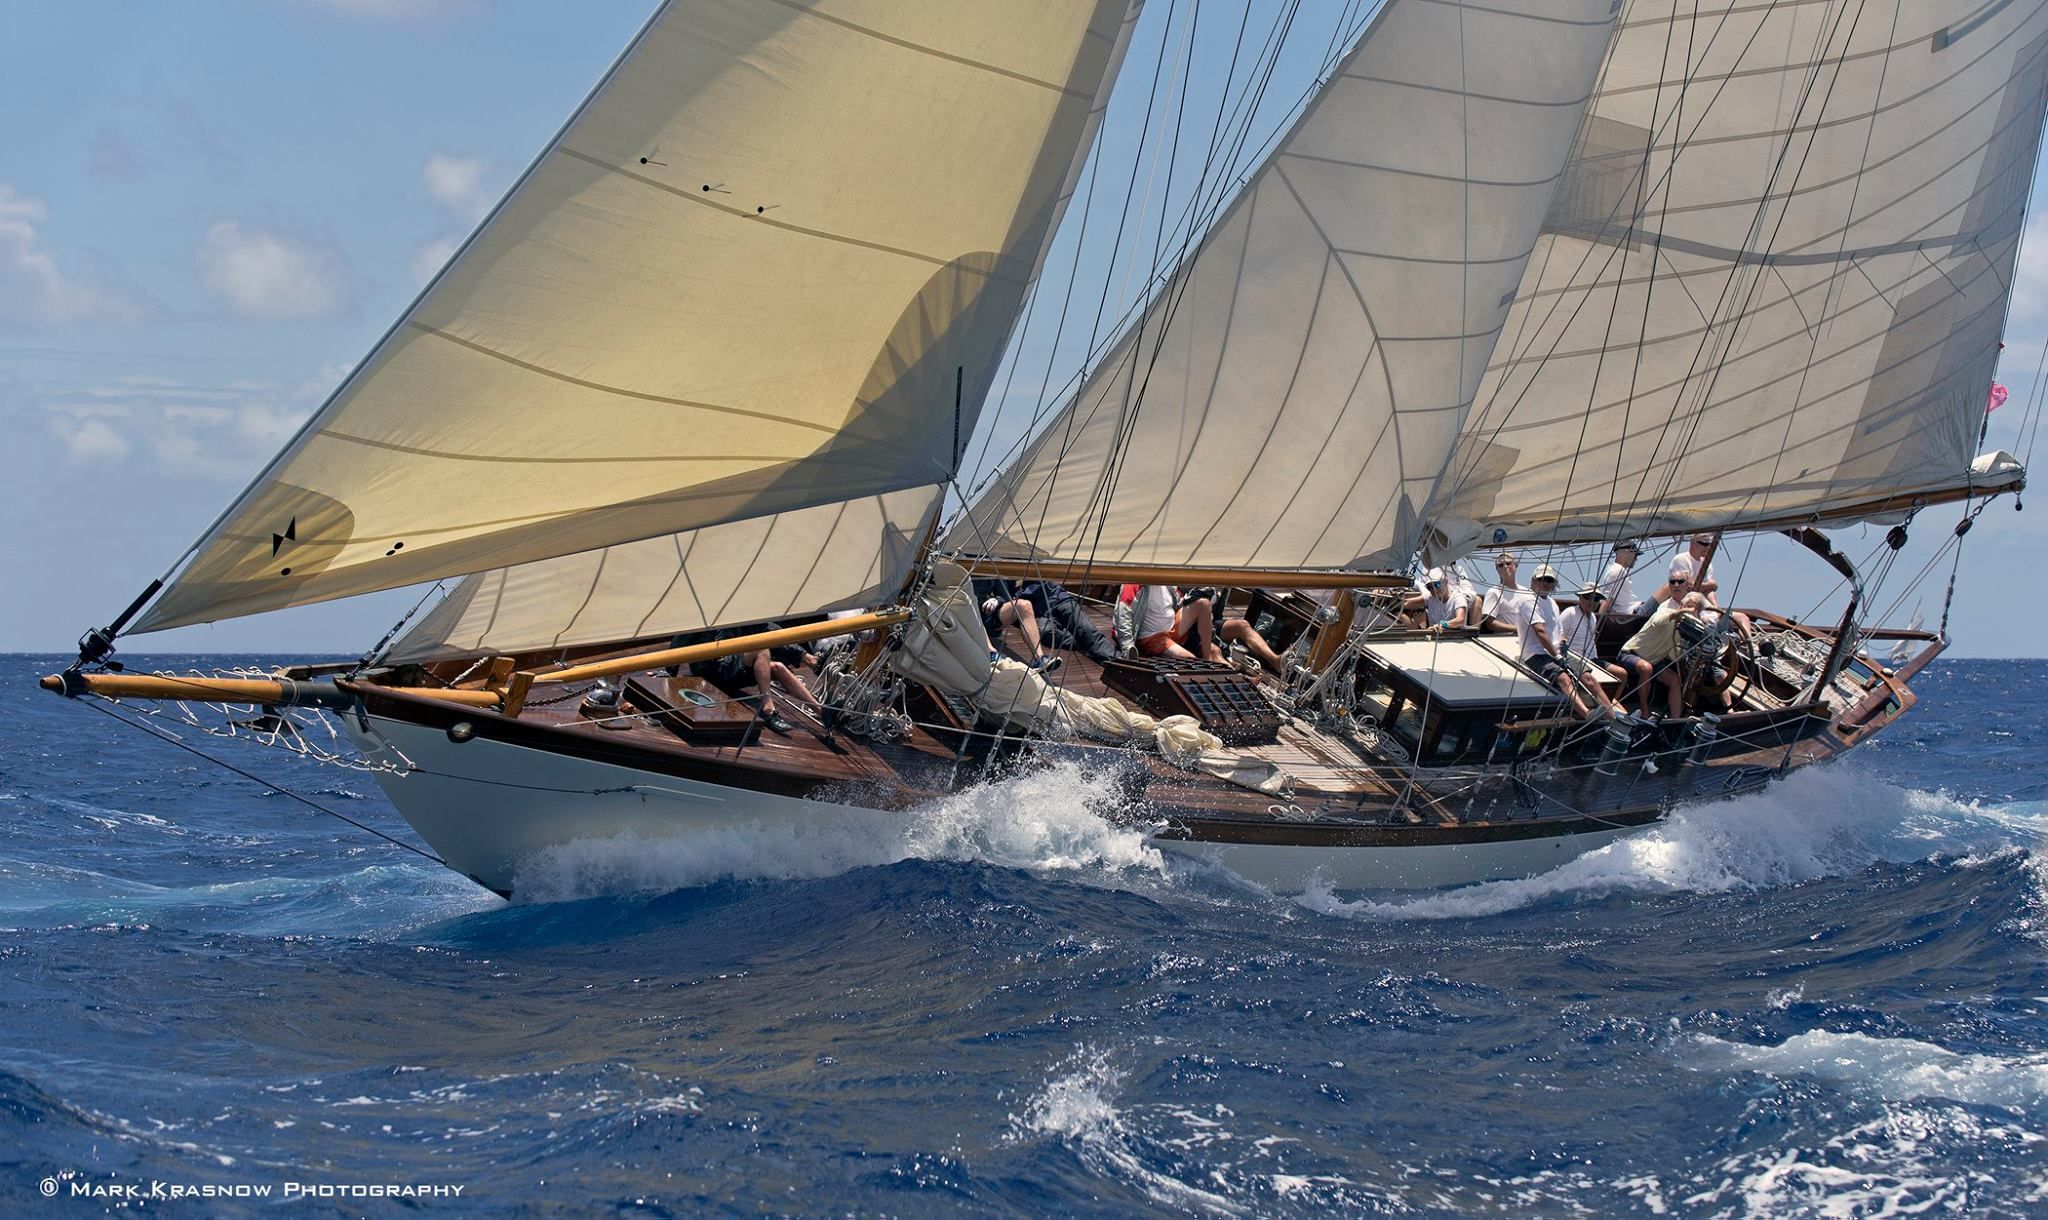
(96,704)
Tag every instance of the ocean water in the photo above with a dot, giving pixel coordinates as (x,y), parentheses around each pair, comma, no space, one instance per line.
(1830,999)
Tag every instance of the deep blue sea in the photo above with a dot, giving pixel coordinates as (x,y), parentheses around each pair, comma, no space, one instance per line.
(1831,999)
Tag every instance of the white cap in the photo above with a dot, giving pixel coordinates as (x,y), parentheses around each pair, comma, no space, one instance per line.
(1435,576)
(1543,572)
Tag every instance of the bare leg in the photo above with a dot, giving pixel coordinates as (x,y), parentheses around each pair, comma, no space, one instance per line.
(794,684)
(1669,679)
(764,679)
(1018,614)
(1594,689)
(1237,631)
(1643,669)
(1196,621)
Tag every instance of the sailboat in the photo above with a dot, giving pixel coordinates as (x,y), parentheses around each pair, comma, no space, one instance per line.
(1530,275)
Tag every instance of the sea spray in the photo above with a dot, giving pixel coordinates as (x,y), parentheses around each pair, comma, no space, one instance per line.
(1053,820)
(1817,823)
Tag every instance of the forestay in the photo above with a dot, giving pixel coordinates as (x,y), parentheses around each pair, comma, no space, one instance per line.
(1772,284)
(746,279)
(1292,394)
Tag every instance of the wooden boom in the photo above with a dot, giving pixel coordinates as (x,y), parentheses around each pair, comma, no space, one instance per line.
(724,648)
(272,692)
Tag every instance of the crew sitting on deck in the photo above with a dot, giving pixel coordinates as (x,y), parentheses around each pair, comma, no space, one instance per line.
(1544,652)
(762,668)
(1617,587)
(1692,565)
(1001,607)
(1165,624)
(1440,605)
(1651,655)
(1062,622)
(1507,606)
(1578,631)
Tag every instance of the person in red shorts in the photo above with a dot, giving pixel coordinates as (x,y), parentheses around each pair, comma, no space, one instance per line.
(1161,623)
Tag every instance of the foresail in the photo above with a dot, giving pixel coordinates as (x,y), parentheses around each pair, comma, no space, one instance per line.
(754,274)
(1774,280)
(829,557)
(1291,395)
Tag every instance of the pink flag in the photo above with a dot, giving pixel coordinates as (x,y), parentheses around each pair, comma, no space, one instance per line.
(1998,396)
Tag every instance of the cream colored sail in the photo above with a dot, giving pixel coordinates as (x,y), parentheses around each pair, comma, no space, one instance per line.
(1774,278)
(747,278)
(824,557)
(830,557)
(1291,396)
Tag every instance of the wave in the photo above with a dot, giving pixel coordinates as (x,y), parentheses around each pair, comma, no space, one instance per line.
(376,900)
(1077,1107)
(1817,823)
(1903,1156)
(1895,1069)
(1050,821)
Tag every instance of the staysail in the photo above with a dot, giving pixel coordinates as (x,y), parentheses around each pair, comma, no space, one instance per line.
(753,275)
(1772,284)
(1291,395)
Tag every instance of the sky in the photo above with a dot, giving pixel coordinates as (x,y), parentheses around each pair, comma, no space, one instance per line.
(210,212)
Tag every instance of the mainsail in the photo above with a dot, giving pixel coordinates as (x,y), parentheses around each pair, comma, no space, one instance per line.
(1773,280)
(752,276)
(1291,395)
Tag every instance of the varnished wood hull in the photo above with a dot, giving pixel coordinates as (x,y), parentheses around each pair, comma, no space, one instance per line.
(501,796)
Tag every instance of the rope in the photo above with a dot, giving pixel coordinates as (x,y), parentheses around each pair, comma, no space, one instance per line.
(257,779)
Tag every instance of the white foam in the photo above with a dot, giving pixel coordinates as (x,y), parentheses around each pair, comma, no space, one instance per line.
(1819,822)
(1049,821)
(1077,1106)
(1895,1069)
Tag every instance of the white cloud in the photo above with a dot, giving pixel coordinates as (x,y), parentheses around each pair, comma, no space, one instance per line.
(33,288)
(186,431)
(264,274)
(89,439)
(456,183)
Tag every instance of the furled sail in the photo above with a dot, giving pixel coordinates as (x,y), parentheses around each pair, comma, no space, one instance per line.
(749,277)
(1291,395)
(1772,285)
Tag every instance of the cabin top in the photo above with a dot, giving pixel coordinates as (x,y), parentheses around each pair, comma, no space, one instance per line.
(1463,672)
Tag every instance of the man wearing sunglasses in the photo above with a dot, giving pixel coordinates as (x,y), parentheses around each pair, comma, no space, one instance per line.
(1507,606)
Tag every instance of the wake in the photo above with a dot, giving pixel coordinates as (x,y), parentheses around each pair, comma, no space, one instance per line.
(1816,823)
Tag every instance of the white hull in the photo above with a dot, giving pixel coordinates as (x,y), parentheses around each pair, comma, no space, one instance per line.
(508,817)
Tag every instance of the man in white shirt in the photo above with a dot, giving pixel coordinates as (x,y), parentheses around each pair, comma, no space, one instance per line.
(1507,605)
(1617,586)
(1692,564)
(1543,649)
(1440,603)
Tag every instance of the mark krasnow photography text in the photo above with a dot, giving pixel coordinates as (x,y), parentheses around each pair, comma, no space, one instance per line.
(72,1185)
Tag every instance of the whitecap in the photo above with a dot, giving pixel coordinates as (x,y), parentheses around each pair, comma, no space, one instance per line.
(1895,1069)
(1077,1106)
(1817,823)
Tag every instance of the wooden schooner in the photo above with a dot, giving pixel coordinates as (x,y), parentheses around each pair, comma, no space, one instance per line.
(1532,274)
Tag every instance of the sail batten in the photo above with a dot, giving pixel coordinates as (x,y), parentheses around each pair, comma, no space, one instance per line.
(750,277)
